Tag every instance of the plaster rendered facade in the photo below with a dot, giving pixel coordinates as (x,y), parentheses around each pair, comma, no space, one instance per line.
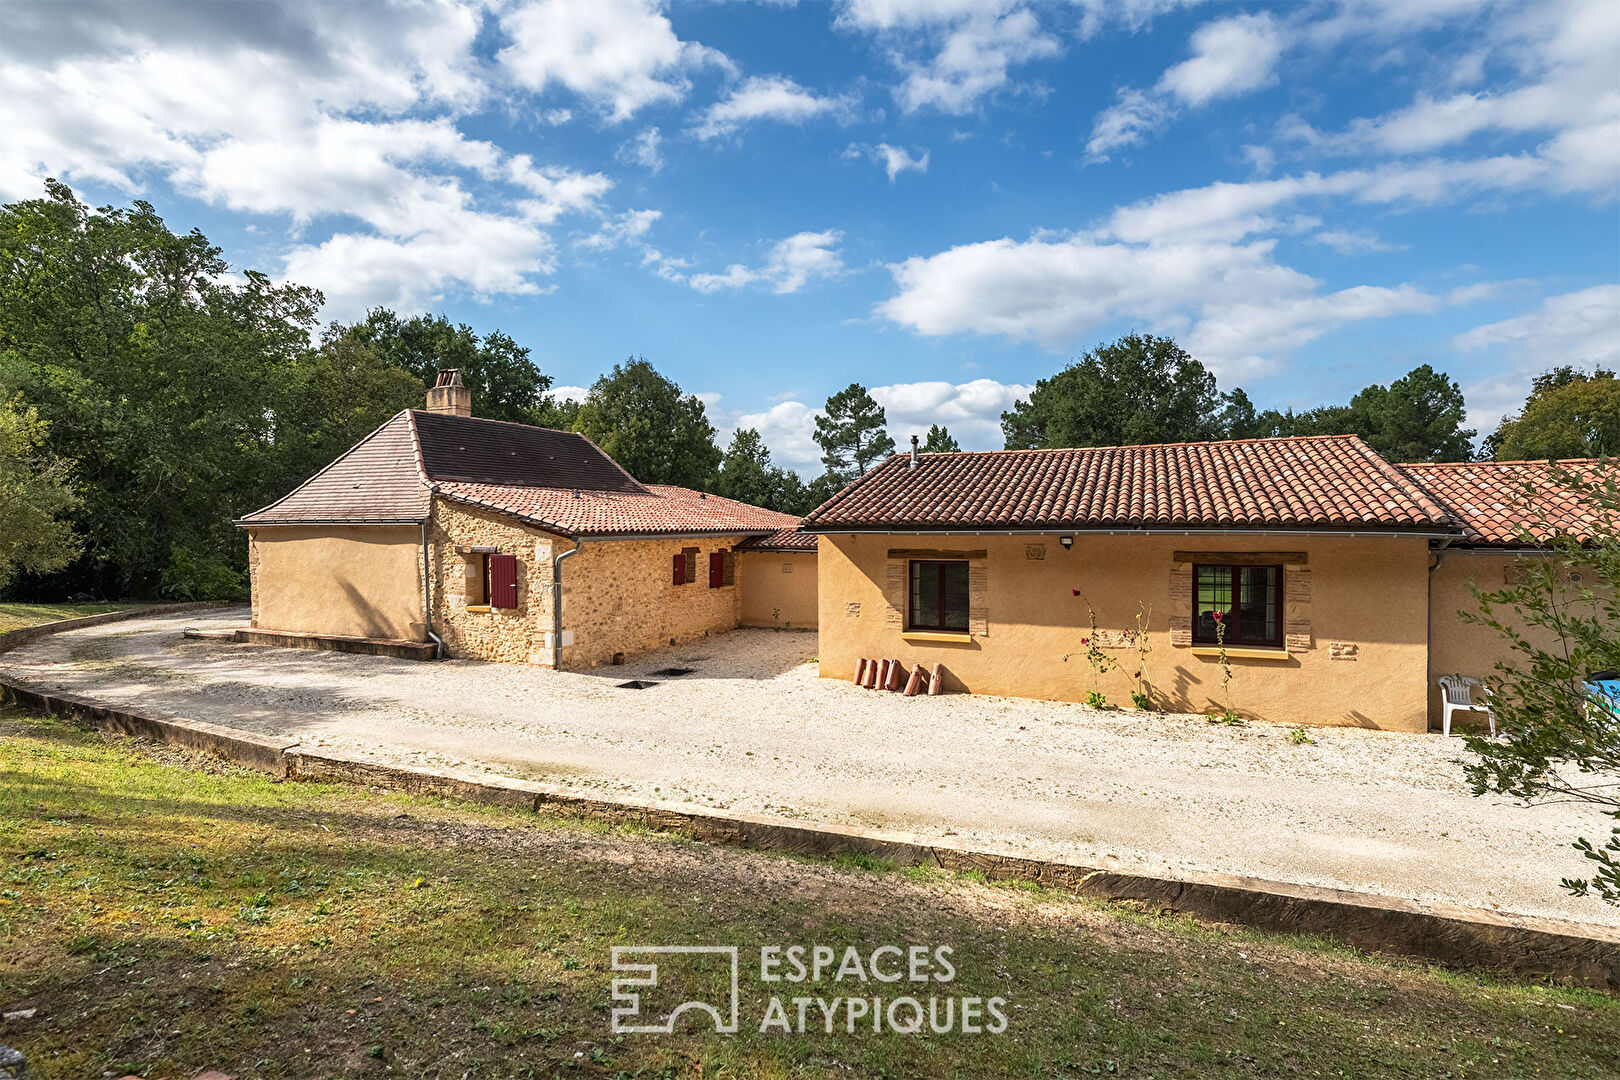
(778,589)
(1355,613)
(347,581)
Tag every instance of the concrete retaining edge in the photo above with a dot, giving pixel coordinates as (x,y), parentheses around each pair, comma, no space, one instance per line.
(12,639)
(1454,936)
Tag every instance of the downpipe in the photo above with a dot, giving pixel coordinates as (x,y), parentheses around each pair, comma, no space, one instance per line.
(427,597)
(556,603)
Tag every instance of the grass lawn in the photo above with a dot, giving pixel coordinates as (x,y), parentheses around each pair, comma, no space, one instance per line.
(17,616)
(165,913)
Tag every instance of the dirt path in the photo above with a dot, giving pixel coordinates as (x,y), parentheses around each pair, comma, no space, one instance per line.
(753,729)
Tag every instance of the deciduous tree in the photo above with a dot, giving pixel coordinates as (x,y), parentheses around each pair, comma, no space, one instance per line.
(644,422)
(1559,731)
(1569,414)
(34,493)
(1140,389)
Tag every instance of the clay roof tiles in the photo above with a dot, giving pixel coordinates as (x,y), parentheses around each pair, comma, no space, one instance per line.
(1319,482)
(1489,498)
(558,480)
(788,539)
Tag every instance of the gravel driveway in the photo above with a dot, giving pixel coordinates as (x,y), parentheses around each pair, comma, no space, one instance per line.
(752,728)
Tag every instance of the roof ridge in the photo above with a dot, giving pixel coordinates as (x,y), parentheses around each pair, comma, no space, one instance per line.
(1490,464)
(1122,446)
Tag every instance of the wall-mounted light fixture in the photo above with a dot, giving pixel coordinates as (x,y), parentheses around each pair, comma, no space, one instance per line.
(1066,541)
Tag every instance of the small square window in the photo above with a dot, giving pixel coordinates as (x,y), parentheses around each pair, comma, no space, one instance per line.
(1244,601)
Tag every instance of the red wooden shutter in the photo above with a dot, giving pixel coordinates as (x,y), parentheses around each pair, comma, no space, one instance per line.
(503,581)
(680,569)
(717,570)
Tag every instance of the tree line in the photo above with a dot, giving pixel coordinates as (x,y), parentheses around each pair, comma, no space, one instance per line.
(148,398)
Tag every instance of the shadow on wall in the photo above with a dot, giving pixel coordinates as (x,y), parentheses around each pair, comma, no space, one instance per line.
(376,624)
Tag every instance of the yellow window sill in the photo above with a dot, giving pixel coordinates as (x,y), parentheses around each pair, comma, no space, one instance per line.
(933,635)
(1241,654)
(479,607)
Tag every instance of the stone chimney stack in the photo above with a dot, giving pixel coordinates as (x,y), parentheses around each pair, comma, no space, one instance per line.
(449,396)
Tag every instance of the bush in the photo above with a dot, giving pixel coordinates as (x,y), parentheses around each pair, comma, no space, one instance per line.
(200,577)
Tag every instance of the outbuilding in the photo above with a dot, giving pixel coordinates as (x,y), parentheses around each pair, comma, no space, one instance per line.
(503,541)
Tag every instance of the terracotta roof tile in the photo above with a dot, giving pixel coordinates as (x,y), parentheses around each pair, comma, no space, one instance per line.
(1324,482)
(1489,498)
(558,480)
(379,479)
(661,508)
(789,539)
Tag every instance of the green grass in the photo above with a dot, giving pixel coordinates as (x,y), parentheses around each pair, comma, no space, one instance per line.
(17,616)
(165,914)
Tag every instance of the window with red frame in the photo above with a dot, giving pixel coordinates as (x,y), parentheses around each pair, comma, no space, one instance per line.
(939,597)
(1246,600)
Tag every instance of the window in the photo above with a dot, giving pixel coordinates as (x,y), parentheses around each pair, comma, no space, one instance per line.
(691,556)
(939,596)
(478,579)
(722,569)
(1248,600)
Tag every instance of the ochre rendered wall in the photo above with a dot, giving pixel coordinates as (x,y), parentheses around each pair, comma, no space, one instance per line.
(618,596)
(354,581)
(778,589)
(1460,648)
(1357,615)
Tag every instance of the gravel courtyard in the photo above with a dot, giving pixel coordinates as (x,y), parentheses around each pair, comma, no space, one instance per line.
(753,729)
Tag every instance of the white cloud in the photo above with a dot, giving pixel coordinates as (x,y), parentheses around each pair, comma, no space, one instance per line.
(339,122)
(1350,242)
(894,159)
(974,60)
(972,410)
(620,55)
(644,150)
(626,228)
(768,97)
(570,393)
(791,265)
(788,428)
(1581,329)
(1127,122)
(1231,56)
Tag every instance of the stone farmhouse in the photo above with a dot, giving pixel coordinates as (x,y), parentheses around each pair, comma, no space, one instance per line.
(502,541)
(1325,578)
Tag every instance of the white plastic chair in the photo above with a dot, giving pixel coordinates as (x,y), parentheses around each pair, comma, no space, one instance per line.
(1457,692)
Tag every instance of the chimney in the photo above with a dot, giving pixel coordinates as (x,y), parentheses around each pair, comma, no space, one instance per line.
(913,464)
(449,396)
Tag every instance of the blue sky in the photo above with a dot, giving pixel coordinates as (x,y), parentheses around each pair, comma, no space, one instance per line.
(942,199)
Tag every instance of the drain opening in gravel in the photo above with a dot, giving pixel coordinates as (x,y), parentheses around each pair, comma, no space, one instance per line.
(636,684)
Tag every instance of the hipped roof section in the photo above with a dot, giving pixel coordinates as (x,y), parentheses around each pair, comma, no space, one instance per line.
(558,480)
(1495,500)
(1311,482)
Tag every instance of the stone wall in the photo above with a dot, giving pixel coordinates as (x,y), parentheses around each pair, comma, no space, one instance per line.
(618,596)
(514,635)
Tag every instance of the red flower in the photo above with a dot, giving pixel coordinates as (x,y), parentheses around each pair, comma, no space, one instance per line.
(1085,641)
(1216,615)
(1076,592)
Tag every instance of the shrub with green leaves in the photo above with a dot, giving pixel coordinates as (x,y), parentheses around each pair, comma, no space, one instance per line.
(1559,733)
